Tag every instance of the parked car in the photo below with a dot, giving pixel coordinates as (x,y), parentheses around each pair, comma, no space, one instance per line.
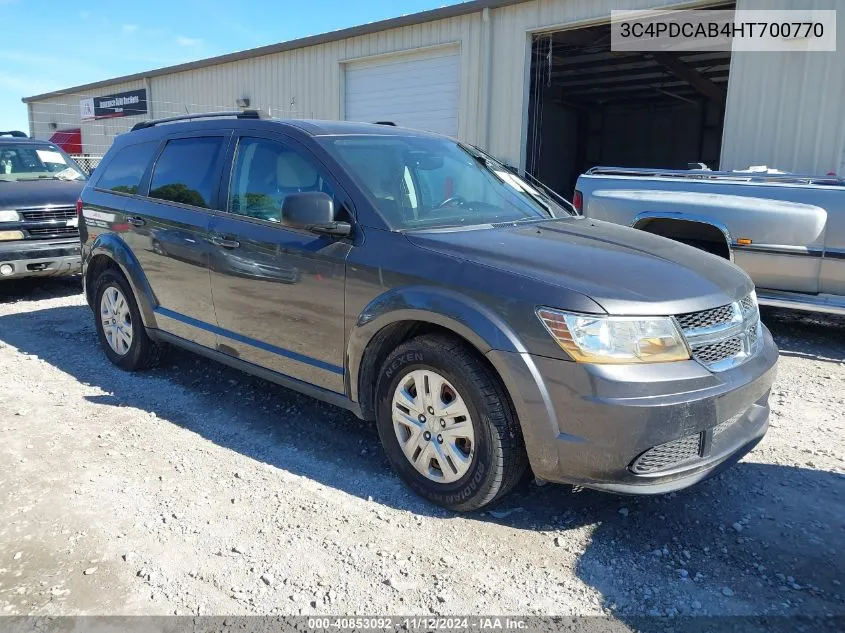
(480,325)
(39,187)
(786,231)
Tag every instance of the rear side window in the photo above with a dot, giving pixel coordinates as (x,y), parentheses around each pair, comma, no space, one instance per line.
(186,171)
(124,172)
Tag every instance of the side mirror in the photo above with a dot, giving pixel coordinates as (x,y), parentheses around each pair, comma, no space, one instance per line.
(313,211)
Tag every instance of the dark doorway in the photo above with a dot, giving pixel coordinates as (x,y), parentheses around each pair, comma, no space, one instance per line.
(591,106)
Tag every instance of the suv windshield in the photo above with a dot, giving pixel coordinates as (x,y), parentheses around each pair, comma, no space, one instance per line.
(26,161)
(421,183)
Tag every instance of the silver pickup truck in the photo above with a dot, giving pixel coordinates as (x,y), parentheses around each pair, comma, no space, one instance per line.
(786,231)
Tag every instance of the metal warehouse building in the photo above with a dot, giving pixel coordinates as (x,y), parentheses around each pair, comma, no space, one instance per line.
(532,81)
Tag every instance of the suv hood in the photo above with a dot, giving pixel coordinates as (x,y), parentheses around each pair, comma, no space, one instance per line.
(39,193)
(625,271)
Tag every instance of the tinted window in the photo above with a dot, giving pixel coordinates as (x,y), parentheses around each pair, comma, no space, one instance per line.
(185,171)
(125,171)
(265,173)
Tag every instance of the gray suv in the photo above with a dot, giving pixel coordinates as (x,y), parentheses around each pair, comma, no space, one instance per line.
(419,283)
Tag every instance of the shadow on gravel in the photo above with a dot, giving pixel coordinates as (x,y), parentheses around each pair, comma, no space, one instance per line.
(35,288)
(818,337)
(757,534)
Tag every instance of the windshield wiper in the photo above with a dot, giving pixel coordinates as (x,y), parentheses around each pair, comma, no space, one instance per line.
(492,168)
(544,199)
(38,178)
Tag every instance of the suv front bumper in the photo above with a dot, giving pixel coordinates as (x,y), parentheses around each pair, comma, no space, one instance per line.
(637,429)
(36,259)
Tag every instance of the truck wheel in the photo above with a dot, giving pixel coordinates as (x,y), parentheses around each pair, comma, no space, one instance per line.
(446,424)
(119,327)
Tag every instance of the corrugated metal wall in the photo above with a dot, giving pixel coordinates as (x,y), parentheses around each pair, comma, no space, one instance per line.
(308,82)
(785,109)
(64,111)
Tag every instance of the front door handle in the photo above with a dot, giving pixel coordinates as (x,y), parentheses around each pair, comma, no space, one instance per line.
(224,243)
(136,221)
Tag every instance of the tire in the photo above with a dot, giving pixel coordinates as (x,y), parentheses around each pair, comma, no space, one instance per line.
(475,472)
(142,352)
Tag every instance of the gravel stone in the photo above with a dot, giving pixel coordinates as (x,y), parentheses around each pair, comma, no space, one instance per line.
(113,454)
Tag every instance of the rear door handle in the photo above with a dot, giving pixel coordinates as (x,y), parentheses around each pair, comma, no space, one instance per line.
(136,221)
(224,243)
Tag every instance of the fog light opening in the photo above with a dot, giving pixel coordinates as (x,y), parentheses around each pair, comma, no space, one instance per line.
(6,269)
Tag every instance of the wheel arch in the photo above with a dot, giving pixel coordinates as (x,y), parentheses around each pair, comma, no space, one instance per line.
(110,251)
(399,315)
(678,226)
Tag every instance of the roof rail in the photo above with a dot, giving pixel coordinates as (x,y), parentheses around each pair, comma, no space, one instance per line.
(15,133)
(390,123)
(704,174)
(240,114)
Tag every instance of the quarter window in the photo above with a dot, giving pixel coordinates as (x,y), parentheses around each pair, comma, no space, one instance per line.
(185,172)
(265,173)
(124,172)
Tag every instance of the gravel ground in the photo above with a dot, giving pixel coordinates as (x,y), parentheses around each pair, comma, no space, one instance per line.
(196,489)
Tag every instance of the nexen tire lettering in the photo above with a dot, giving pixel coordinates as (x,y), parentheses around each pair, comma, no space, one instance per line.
(403,360)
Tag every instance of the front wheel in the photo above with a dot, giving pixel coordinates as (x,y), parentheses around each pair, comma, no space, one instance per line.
(446,424)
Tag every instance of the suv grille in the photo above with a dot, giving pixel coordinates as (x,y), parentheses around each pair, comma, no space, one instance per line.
(707,318)
(716,352)
(38,215)
(668,455)
(723,337)
(59,231)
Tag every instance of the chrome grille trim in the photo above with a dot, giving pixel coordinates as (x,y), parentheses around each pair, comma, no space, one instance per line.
(48,213)
(50,231)
(723,337)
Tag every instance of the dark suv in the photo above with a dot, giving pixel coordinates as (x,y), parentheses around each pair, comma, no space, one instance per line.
(39,187)
(421,284)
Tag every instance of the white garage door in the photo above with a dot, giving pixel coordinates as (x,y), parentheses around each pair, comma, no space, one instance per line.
(419,91)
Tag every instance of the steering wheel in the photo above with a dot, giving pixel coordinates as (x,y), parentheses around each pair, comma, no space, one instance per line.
(456,200)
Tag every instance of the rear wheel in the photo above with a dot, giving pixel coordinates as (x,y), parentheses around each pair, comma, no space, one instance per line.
(119,327)
(447,425)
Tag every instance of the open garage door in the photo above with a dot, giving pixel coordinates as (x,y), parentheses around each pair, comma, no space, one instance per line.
(592,106)
(419,91)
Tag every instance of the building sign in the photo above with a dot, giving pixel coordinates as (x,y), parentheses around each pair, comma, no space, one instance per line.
(129,103)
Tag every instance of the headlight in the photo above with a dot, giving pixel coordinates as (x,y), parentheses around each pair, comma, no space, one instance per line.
(618,340)
(10,235)
(9,216)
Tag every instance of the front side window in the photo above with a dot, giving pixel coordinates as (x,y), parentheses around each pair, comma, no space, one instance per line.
(266,172)
(421,182)
(186,171)
(20,162)
(124,172)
